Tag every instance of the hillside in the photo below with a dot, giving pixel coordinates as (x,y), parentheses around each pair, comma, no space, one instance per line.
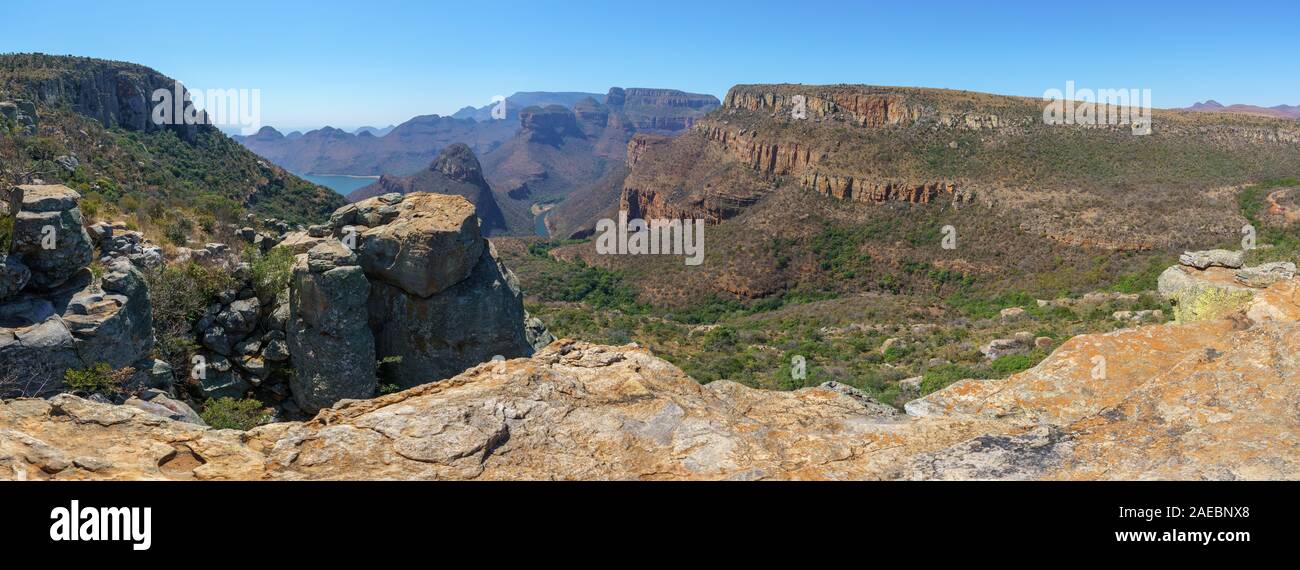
(875,173)
(94,134)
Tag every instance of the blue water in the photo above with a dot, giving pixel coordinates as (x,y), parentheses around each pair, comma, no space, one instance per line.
(539,224)
(342,184)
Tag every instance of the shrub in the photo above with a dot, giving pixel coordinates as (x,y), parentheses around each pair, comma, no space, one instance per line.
(1011,364)
(6,233)
(233,413)
(179,294)
(939,377)
(97,379)
(270,271)
(386,369)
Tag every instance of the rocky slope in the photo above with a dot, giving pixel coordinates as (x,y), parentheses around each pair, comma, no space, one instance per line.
(397,291)
(1203,399)
(456,171)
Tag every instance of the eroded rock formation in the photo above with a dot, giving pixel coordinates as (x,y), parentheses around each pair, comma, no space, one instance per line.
(423,293)
(56,315)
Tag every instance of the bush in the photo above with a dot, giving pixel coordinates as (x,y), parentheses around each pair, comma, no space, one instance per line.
(232,413)
(97,379)
(270,270)
(6,233)
(179,294)
(939,377)
(1011,364)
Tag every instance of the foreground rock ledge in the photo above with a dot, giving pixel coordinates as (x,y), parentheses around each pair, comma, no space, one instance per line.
(1204,400)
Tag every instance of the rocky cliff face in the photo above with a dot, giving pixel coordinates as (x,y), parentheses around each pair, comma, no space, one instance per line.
(659,110)
(115,93)
(887,144)
(1210,399)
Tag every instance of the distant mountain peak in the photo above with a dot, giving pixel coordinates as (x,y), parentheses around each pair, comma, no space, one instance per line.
(458,162)
(1279,111)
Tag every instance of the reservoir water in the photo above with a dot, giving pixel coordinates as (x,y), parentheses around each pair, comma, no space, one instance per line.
(341,183)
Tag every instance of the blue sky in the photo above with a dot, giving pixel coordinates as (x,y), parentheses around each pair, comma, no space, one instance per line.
(377,62)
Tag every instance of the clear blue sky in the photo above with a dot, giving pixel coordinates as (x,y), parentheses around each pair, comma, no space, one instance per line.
(381,61)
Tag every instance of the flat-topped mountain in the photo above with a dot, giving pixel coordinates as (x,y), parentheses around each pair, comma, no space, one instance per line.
(562,154)
(521,100)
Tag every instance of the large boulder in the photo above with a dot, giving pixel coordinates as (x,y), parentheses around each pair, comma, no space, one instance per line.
(1216,292)
(430,288)
(332,349)
(438,337)
(422,243)
(48,236)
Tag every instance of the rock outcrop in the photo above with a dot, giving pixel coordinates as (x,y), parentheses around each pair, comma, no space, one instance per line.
(333,351)
(421,243)
(1213,399)
(64,317)
(1210,285)
(21,113)
(423,293)
(47,233)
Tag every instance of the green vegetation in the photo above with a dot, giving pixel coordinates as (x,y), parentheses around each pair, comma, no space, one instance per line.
(270,271)
(97,379)
(233,413)
(386,370)
(839,334)
(6,233)
(1277,240)
(179,294)
(940,377)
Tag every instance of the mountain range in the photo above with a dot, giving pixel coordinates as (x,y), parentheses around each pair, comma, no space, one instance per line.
(1279,111)
(410,146)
